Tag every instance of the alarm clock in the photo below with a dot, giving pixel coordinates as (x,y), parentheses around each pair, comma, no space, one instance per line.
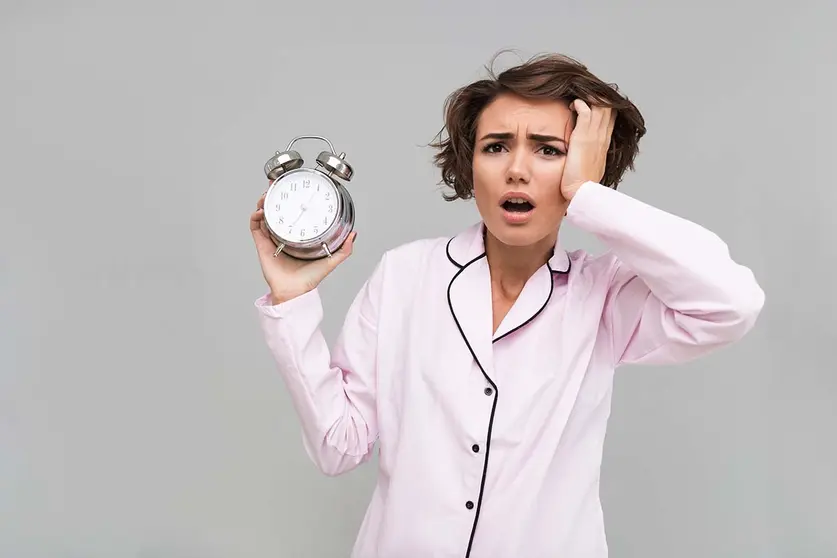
(307,210)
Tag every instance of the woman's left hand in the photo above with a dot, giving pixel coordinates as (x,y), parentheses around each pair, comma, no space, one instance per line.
(588,146)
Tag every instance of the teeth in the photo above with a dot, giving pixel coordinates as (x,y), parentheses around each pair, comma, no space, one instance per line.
(517,200)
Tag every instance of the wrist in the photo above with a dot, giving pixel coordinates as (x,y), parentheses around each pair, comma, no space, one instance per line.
(280,297)
(277,300)
(572,189)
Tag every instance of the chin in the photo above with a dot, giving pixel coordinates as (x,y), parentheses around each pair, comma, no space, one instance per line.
(523,234)
(520,228)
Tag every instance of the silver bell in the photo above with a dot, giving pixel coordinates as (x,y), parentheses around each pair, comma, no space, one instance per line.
(335,164)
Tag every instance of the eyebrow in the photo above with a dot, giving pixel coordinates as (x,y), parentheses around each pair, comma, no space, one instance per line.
(509,135)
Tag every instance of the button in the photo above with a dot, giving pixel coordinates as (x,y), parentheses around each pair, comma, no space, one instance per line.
(469,504)
(475,448)
(488,391)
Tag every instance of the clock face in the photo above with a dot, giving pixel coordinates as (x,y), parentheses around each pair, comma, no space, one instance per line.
(301,206)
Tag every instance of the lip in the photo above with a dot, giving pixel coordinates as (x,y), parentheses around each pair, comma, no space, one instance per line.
(517,217)
(509,195)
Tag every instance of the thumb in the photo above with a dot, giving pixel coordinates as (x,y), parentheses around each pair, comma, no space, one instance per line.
(259,232)
(340,255)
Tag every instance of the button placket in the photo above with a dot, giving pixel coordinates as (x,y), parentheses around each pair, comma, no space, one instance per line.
(476,448)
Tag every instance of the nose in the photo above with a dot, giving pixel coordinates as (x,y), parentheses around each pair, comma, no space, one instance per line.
(518,170)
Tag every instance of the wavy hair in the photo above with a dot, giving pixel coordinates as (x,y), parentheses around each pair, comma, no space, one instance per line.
(546,76)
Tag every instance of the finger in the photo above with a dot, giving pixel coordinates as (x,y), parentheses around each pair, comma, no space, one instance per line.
(604,117)
(256,219)
(599,114)
(581,108)
(344,252)
(348,246)
(257,224)
(264,244)
(323,267)
(599,117)
(260,202)
(583,116)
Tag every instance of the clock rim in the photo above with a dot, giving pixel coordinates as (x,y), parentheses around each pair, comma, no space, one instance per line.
(334,226)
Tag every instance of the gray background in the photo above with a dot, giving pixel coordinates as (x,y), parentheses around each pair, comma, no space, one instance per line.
(140,415)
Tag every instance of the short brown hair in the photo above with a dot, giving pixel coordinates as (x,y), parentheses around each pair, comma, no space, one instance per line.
(546,76)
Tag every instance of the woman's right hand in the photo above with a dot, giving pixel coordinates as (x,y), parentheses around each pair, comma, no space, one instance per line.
(288,277)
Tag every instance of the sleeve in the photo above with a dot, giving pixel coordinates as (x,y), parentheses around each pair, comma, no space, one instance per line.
(676,294)
(333,391)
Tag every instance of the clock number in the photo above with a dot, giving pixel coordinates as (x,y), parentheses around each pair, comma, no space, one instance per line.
(284,195)
(328,195)
(293,187)
(306,183)
(281,220)
(331,208)
(316,230)
(325,221)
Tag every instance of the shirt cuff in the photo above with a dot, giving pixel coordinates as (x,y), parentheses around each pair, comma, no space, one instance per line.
(598,208)
(284,309)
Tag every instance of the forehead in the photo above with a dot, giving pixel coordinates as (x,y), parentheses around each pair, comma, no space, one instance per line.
(510,112)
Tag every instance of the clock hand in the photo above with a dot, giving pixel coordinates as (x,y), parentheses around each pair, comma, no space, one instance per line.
(304,206)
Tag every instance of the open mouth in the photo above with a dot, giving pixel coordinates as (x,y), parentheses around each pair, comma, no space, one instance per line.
(517,205)
(517,208)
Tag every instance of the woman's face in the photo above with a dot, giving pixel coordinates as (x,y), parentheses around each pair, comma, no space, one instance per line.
(519,156)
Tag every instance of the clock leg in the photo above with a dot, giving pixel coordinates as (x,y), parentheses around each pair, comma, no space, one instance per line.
(279,250)
(325,248)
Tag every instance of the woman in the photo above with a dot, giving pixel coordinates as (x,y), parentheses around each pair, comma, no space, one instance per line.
(482,364)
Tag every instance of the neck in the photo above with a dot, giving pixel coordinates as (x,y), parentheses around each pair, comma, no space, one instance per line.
(512,266)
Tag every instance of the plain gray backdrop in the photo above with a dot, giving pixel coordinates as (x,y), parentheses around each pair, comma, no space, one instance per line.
(140,413)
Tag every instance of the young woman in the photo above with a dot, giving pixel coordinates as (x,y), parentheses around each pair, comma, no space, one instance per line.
(482,364)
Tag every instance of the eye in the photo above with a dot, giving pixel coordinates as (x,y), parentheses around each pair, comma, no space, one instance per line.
(550,151)
(492,148)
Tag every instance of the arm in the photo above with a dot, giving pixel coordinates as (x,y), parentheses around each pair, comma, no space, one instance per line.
(676,293)
(333,392)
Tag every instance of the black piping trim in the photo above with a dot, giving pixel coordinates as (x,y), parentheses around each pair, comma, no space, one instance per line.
(493,405)
(457,264)
(562,272)
(462,268)
(535,315)
(541,309)
(454,262)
